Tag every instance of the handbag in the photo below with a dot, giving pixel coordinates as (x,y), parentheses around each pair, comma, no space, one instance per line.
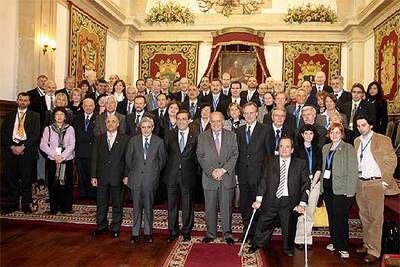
(321,217)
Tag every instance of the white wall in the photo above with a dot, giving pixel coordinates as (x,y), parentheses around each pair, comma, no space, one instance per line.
(62,39)
(344,67)
(136,62)
(9,47)
(369,67)
(274,58)
(111,56)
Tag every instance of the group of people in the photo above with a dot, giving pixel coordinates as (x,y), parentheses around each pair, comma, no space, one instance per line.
(257,148)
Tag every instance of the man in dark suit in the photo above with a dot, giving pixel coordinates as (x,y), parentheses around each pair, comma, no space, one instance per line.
(358,107)
(301,98)
(290,120)
(226,84)
(35,94)
(83,124)
(341,95)
(69,84)
(219,101)
(20,133)
(133,119)
(145,159)
(282,192)
(235,96)
(100,90)
(252,139)
(180,175)
(126,106)
(160,115)
(182,95)
(108,171)
(251,94)
(204,86)
(193,103)
(278,129)
(217,153)
(100,122)
(320,79)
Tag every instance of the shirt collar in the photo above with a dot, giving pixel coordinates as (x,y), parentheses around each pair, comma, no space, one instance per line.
(111,134)
(276,128)
(251,125)
(367,137)
(144,138)
(86,115)
(140,113)
(185,132)
(22,110)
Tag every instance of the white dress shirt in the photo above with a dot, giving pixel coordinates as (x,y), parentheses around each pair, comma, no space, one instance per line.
(48,100)
(111,138)
(235,100)
(251,127)
(367,166)
(185,135)
(250,94)
(319,87)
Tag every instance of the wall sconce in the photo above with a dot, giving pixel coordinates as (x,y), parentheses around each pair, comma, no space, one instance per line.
(46,43)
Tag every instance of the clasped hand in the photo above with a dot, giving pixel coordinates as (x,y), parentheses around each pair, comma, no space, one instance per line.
(218,173)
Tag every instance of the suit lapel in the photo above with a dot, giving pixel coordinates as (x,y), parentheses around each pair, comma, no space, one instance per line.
(212,143)
(291,174)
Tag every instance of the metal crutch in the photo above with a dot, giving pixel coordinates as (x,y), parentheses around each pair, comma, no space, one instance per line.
(247,232)
(305,234)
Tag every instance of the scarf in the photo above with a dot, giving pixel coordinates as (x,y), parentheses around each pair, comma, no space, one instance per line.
(60,167)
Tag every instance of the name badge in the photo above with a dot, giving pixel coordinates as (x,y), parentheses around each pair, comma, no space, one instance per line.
(58,151)
(276,153)
(327,174)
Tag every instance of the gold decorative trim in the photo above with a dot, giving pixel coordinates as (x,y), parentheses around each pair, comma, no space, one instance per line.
(238,29)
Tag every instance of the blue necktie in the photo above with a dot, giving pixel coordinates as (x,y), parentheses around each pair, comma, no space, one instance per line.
(87,121)
(277,138)
(191,109)
(146,147)
(297,114)
(248,136)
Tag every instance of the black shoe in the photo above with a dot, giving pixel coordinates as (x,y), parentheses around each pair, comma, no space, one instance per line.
(99,232)
(252,249)
(299,246)
(27,210)
(171,238)
(229,241)
(115,234)
(134,239)
(207,239)
(289,253)
(148,239)
(187,238)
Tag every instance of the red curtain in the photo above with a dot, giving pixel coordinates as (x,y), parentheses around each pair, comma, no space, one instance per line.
(238,38)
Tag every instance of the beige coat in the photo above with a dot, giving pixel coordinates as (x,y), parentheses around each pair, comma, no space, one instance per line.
(385,157)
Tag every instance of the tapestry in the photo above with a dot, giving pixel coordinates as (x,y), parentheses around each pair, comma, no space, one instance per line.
(87,50)
(302,60)
(170,59)
(387,62)
(196,253)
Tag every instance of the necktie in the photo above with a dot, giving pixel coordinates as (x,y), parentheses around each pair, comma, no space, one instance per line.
(277,138)
(282,180)
(353,112)
(129,110)
(161,113)
(192,109)
(182,142)
(297,115)
(137,121)
(248,135)
(51,103)
(183,97)
(336,96)
(21,125)
(215,103)
(146,147)
(217,143)
(109,142)
(87,121)
(155,106)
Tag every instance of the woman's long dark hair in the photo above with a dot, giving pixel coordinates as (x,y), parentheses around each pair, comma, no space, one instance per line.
(379,97)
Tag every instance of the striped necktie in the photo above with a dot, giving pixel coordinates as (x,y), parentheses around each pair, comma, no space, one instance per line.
(282,180)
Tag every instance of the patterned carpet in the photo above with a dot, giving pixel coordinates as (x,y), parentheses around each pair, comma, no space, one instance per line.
(217,254)
(86,215)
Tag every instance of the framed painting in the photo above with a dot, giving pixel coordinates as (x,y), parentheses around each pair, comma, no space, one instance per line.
(240,65)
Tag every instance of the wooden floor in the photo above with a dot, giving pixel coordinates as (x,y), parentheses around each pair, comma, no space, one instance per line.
(26,244)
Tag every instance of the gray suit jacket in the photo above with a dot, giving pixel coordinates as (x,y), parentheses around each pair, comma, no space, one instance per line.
(209,159)
(100,124)
(149,100)
(145,172)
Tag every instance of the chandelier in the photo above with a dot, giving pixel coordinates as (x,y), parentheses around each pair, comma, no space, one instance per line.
(226,7)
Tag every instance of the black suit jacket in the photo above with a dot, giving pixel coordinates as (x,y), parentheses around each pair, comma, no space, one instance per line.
(286,131)
(178,97)
(312,98)
(38,104)
(251,156)
(196,126)
(108,166)
(365,108)
(181,168)
(83,140)
(300,152)
(132,128)
(162,122)
(344,98)
(298,181)
(255,98)
(32,131)
(289,124)
(197,113)
(122,107)
(222,103)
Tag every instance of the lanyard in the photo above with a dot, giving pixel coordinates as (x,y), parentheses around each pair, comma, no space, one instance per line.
(329,159)
(363,149)
(310,158)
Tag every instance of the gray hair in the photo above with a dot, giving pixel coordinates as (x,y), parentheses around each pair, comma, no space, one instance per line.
(146,120)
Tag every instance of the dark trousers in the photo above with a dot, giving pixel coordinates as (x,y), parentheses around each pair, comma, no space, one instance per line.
(60,196)
(266,223)
(86,190)
(174,193)
(19,179)
(103,198)
(337,207)
(248,195)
